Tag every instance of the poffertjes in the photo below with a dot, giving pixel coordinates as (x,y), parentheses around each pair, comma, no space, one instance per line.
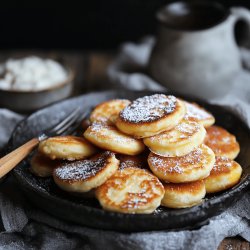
(183,195)
(110,138)
(191,167)
(225,174)
(66,148)
(84,175)
(107,112)
(179,141)
(161,150)
(131,190)
(150,115)
(222,142)
(197,113)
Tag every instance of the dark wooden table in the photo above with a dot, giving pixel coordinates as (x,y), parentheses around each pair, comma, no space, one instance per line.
(90,69)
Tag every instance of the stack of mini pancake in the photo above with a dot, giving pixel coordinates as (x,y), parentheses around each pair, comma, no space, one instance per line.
(135,156)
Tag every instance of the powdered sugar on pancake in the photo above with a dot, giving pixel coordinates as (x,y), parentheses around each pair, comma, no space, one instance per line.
(222,165)
(149,108)
(196,159)
(196,112)
(83,169)
(184,130)
(106,130)
(187,128)
(222,142)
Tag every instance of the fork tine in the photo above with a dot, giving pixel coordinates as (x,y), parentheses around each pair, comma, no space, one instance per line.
(76,125)
(66,126)
(72,124)
(65,121)
(72,129)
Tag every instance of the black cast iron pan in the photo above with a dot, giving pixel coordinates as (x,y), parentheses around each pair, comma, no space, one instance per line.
(46,195)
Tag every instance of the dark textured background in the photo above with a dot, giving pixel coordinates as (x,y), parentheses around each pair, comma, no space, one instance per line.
(93,24)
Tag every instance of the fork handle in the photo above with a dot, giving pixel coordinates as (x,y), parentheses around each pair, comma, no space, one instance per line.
(9,161)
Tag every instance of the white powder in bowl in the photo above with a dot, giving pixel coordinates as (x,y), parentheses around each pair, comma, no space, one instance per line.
(31,74)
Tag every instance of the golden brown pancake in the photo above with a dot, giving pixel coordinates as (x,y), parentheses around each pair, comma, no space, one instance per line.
(179,141)
(66,148)
(225,174)
(84,175)
(131,190)
(150,115)
(197,113)
(222,142)
(43,166)
(191,167)
(183,195)
(110,138)
(107,112)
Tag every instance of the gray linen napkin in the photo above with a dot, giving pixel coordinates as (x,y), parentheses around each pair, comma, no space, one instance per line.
(27,227)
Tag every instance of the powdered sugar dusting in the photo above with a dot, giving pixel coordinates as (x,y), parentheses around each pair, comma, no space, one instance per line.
(83,169)
(176,169)
(184,130)
(221,164)
(197,158)
(187,128)
(110,132)
(221,141)
(194,111)
(226,140)
(149,108)
(97,126)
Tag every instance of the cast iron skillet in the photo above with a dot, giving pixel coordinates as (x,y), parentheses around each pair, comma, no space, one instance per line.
(44,193)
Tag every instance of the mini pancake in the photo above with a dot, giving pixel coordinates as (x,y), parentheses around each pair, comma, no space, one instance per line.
(191,167)
(225,174)
(179,141)
(66,148)
(131,190)
(197,113)
(150,115)
(133,161)
(84,175)
(222,142)
(110,138)
(107,112)
(43,166)
(183,195)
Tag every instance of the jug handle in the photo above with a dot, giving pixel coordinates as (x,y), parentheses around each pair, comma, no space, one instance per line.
(242,14)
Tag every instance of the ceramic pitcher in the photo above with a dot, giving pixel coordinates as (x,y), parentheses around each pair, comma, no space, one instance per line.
(196,51)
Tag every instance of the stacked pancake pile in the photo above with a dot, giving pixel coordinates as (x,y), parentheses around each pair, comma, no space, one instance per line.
(136,156)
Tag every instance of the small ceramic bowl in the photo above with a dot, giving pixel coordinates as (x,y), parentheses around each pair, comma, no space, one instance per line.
(28,101)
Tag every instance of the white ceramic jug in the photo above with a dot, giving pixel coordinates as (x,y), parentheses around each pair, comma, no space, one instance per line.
(196,51)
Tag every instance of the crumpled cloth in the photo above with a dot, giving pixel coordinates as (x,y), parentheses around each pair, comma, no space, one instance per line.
(27,227)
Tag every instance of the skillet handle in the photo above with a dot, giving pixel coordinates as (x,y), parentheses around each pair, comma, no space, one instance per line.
(9,161)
